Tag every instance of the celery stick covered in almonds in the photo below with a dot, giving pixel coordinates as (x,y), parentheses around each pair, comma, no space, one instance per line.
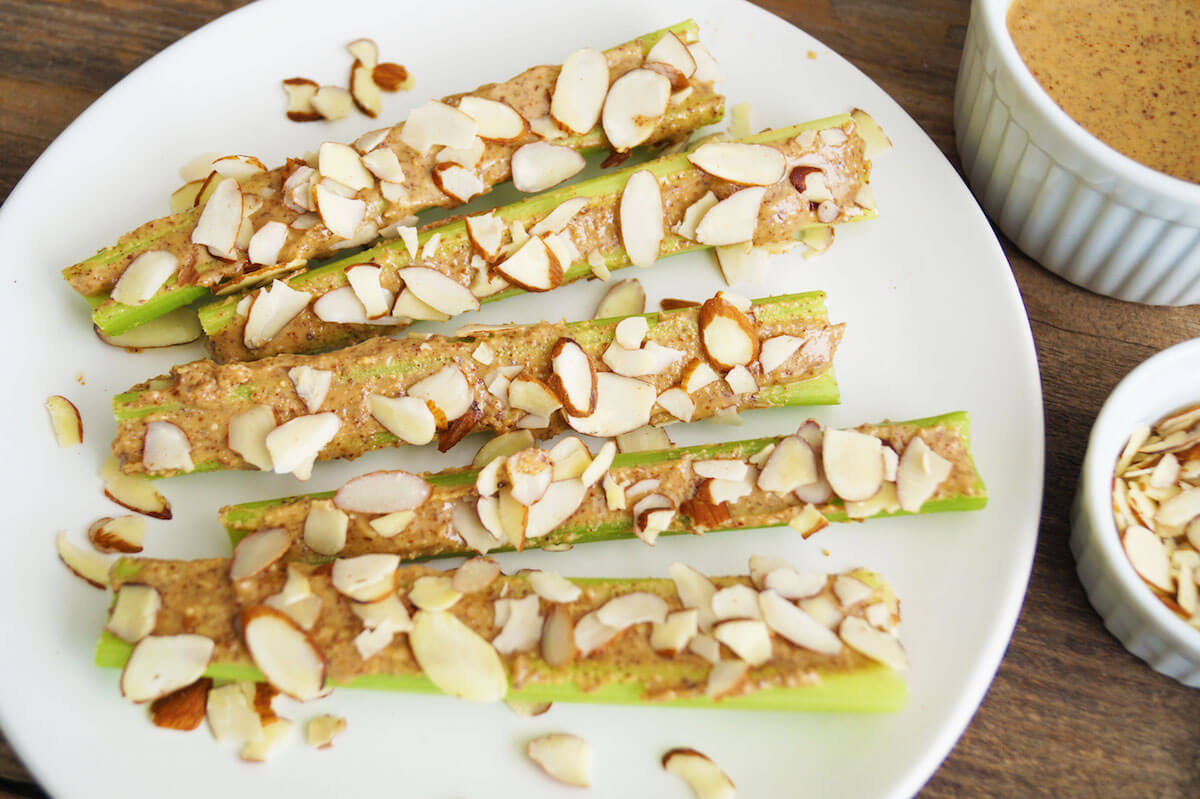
(251,223)
(814,641)
(600,377)
(564,496)
(761,193)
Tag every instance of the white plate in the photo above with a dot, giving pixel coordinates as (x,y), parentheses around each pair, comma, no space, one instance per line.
(934,324)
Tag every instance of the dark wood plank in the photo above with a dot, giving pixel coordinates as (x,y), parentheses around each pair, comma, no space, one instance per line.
(1070,714)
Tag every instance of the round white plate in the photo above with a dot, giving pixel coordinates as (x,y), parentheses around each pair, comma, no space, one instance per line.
(934,321)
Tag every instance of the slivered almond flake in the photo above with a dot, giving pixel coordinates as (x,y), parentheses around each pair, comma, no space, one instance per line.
(257,551)
(182,709)
(552,587)
(392,524)
(641,218)
(851,591)
(144,276)
(64,421)
(561,500)
(135,492)
(567,758)
(557,220)
(474,575)
(342,163)
(435,124)
(166,448)
(529,474)
(875,644)
(366,578)
(623,298)
(434,592)
(672,635)
(342,215)
(633,107)
(701,774)
(532,267)
(219,222)
(447,389)
(87,565)
(796,626)
(295,444)
(591,634)
(521,626)
(231,715)
(676,402)
(732,220)
(283,652)
(312,385)
(456,659)
(527,393)
(570,458)
(134,612)
(467,520)
(671,50)
(385,165)
(161,664)
(737,162)
(540,165)
(1149,557)
(573,378)
(735,602)
(274,733)
(579,90)
(320,730)
(558,645)
(643,439)
(364,90)
(600,465)
(272,308)
(778,350)
(382,492)
(623,404)
(633,608)
(391,77)
(749,639)
(726,676)
(496,121)
(853,463)
(791,584)
(325,528)
(791,464)
(727,335)
(458,182)
(248,435)
(918,475)
(486,233)
(438,291)
(365,281)
(696,375)
(407,418)
(265,244)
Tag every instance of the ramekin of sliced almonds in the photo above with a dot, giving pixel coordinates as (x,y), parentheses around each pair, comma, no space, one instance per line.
(1136,521)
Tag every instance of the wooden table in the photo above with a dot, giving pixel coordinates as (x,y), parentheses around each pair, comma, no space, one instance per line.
(1070,713)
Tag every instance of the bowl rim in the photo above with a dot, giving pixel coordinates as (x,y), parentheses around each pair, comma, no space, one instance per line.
(1111,424)
(995,24)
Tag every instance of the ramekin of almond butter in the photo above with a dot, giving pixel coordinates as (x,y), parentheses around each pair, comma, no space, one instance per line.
(1135,527)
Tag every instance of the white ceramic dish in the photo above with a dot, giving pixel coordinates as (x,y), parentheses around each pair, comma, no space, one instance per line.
(1071,202)
(1165,383)
(935,323)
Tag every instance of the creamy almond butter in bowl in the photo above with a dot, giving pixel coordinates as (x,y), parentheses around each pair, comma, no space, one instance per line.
(1134,533)
(1076,122)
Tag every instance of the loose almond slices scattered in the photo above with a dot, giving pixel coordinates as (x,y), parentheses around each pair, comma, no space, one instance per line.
(727,335)
(300,93)
(853,463)
(623,298)
(438,291)
(456,659)
(382,492)
(567,758)
(89,566)
(579,90)
(573,377)
(532,267)
(732,220)
(497,121)
(537,166)
(135,492)
(635,103)
(161,664)
(365,90)
(737,162)
(701,774)
(283,652)
(64,421)
(641,218)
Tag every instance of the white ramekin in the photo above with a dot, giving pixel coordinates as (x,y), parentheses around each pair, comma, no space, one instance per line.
(1166,382)
(1071,202)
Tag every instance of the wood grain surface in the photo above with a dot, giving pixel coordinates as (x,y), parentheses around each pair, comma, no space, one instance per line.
(1070,713)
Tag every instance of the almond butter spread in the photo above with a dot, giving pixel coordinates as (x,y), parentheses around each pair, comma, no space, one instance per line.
(1128,72)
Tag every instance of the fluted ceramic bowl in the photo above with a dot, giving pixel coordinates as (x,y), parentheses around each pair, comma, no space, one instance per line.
(1080,208)
(1165,383)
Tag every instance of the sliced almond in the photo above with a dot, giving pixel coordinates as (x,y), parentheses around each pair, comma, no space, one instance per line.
(529,472)
(561,500)
(877,141)
(521,627)
(552,587)
(365,280)
(851,591)
(219,222)
(1149,557)
(248,435)
(160,664)
(791,584)
(558,645)
(65,421)
(707,647)
(641,218)
(391,77)
(364,50)
(696,375)
(435,124)
(366,578)
(735,602)
(343,163)
(392,524)
(456,659)
(166,448)
(726,676)
(671,50)
(643,439)
(383,492)
(181,326)
(342,215)
(590,634)
(566,758)
(231,715)
(407,418)
(486,233)
(570,458)
(732,220)
(144,276)
(600,465)
(385,165)
(532,267)
(672,635)
(1180,509)
(266,243)
(468,523)
(496,121)
(737,162)
(257,551)
(312,385)
(87,565)
(853,463)
(182,709)
(574,377)
(722,469)
(408,306)
(633,107)
(750,639)
(579,90)
(919,473)
(134,612)
(875,644)
(325,528)
(320,730)
(727,335)
(701,774)
(272,308)
(135,492)
(623,404)
(438,291)
(527,393)
(364,90)
(796,626)
(447,389)
(475,575)
(623,298)
(458,182)
(434,592)
(791,464)
(295,444)
(633,608)
(284,653)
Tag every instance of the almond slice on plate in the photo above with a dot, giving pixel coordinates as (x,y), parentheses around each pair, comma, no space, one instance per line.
(623,404)
(382,492)
(701,774)
(332,102)
(122,534)
(270,311)
(574,377)
(364,90)
(257,551)
(144,276)
(497,121)
(456,659)
(623,298)
(853,463)
(539,165)
(288,658)
(87,565)
(364,50)
(732,220)
(166,448)
(737,162)
(532,267)
(65,421)
(391,77)
(727,335)
(438,291)
(295,444)
(366,578)
(579,90)
(567,758)
(160,664)
(219,222)
(435,124)
(641,218)
(633,107)
(133,491)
